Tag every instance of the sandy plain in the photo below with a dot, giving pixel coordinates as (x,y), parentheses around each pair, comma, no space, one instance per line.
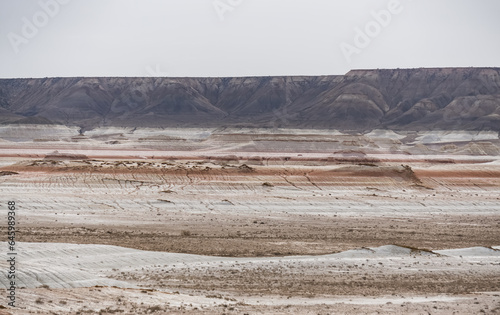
(282,222)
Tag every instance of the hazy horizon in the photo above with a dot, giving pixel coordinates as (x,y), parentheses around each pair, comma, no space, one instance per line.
(245,76)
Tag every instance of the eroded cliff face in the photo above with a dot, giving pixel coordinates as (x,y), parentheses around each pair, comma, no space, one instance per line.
(413,99)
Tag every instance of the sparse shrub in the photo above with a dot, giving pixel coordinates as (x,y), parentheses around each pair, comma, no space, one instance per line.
(154,309)
(109,310)
(185,233)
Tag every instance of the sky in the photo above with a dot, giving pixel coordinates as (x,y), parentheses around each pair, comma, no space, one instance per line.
(221,38)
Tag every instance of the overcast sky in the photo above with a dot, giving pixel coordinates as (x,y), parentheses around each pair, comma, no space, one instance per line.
(49,38)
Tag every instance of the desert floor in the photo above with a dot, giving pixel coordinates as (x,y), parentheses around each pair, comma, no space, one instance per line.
(233,223)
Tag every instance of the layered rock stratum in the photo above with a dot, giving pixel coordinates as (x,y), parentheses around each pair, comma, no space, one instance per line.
(361,100)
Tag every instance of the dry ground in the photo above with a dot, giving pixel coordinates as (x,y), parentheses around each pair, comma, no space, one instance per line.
(222,209)
(271,204)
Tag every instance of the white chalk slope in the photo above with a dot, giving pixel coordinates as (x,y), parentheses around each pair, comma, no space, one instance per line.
(71,265)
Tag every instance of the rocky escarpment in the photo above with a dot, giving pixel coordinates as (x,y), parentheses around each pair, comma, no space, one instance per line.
(413,99)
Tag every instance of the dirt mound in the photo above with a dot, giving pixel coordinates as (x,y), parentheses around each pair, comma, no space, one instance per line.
(8,173)
(408,174)
(65,156)
(404,172)
(246,169)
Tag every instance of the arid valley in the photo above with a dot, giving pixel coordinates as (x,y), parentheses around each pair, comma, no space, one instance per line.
(231,157)
(239,221)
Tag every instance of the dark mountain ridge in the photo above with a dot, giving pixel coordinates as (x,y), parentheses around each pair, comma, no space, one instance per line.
(400,99)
